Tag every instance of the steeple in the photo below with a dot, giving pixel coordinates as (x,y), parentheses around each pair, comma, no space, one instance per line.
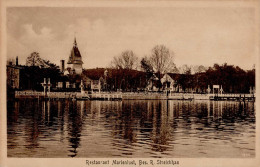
(75,59)
(75,42)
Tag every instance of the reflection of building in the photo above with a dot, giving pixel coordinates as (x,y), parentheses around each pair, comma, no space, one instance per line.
(75,60)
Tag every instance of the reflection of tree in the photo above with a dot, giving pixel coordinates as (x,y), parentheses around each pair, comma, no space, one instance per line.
(161,129)
(124,123)
(30,109)
(60,107)
(12,123)
(155,122)
(74,127)
(33,112)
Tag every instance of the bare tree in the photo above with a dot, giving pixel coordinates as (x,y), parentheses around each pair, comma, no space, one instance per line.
(161,60)
(198,69)
(127,60)
(146,65)
(34,60)
(185,69)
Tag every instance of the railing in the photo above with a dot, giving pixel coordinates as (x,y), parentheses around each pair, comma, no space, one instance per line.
(107,95)
(119,95)
(28,93)
(233,95)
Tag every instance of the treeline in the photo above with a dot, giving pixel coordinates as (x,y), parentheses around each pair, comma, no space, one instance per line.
(31,77)
(232,78)
(127,73)
(190,78)
(118,79)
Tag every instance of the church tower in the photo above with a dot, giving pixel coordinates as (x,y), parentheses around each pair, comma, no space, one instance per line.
(75,60)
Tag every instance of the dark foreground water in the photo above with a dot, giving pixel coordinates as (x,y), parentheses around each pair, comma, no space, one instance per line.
(137,129)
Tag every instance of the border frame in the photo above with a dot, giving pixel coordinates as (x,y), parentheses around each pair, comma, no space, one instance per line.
(60,162)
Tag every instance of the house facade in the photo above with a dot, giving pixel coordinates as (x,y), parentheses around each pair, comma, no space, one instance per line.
(170,82)
(153,83)
(13,76)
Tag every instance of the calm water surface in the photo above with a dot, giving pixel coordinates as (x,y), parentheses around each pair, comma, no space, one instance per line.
(138,129)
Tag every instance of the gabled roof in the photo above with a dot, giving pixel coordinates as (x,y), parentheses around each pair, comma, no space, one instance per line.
(174,76)
(94,74)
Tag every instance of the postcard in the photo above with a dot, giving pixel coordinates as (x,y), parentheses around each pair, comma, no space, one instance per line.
(130,83)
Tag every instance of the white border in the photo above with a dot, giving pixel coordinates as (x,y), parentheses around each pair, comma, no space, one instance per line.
(62,162)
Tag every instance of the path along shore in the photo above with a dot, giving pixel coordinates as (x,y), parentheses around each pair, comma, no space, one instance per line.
(132,96)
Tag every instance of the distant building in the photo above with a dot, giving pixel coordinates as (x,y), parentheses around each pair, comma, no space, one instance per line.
(75,60)
(170,82)
(153,83)
(13,75)
(95,83)
(94,79)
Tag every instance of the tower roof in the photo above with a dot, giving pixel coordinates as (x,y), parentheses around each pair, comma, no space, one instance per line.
(75,56)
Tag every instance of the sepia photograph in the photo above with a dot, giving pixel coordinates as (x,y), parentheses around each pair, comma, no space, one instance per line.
(131,85)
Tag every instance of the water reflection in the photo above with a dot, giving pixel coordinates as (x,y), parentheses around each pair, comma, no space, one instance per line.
(150,128)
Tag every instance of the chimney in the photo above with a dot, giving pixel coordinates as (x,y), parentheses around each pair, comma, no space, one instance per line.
(62,65)
(16,61)
(10,62)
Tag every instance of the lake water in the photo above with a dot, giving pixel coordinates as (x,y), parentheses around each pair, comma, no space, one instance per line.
(131,129)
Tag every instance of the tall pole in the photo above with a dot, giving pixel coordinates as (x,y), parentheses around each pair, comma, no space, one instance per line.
(44,86)
(49,85)
(81,87)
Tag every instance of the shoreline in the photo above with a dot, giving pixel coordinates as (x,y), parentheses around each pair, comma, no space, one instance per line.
(133,96)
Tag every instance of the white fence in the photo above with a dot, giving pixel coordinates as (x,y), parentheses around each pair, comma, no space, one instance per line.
(128,95)
(104,95)
(28,93)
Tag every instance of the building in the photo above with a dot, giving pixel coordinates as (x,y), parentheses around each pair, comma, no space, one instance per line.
(170,82)
(13,75)
(75,60)
(94,79)
(153,83)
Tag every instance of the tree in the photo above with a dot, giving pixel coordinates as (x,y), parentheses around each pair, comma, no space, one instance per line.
(146,65)
(48,64)
(161,60)
(185,69)
(34,60)
(199,69)
(147,68)
(232,78)
(127,60)
(124,64)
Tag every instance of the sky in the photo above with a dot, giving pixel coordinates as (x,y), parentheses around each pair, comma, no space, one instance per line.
(196,36)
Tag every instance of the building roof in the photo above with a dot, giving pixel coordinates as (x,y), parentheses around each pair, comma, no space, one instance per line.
(174,76)
(75,56)
(94,74)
